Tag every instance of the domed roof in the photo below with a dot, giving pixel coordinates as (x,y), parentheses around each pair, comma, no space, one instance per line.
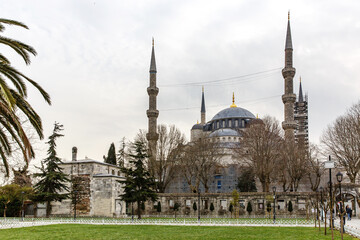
(197,126)
(233,112)
(224,132)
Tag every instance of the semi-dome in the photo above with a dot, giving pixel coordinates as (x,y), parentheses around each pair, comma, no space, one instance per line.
(197,126)
(224,132)
(233,112)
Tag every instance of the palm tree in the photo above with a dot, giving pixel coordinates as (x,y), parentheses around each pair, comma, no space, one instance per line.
(13,103)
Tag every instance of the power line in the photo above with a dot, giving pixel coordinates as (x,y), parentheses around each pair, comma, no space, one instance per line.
(241,78)
(213,106)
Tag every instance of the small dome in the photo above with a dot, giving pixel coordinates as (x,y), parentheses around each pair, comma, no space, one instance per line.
(256,121)
(233,112)
(197,126)
(224,132)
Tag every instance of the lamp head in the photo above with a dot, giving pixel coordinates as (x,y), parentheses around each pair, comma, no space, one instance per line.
(339,177)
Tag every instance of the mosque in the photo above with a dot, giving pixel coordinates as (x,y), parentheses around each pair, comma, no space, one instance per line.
(227,125)
(99,192)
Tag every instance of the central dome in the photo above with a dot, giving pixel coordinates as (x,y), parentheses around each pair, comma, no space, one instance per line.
(233,112)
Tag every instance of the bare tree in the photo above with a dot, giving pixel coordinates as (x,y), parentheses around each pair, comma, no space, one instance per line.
(170,143)
(294,157)
(342,140)
(261,149)
(169,146)
(315,168)
(199,161)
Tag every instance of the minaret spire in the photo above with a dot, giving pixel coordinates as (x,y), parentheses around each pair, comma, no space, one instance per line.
(288,72)
(152,113)
(153,62)
(301,96)
(288,43)
(203,111)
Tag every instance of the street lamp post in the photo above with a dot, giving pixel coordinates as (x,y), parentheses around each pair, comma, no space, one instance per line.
(22,206)
(321,203)
(75,198)
(339,177)
(199,205)
(330,164)
(274,191)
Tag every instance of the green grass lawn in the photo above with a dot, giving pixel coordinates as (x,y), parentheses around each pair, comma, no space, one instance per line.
(77,231)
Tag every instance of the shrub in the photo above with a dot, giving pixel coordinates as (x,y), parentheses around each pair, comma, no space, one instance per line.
(212,208)
(249,208)
(290,207)
(194,206)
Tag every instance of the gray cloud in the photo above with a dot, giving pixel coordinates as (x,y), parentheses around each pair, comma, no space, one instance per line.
(94,58)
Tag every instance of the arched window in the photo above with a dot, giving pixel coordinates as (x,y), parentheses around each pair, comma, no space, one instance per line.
(113,172)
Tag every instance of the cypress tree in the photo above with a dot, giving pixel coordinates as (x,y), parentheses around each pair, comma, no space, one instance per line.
(158,208)
(249,208)
(212,208)
(290,207)
(194,206)
(138,184)
(246,181)
(52,179)
(111,157)
(176,208)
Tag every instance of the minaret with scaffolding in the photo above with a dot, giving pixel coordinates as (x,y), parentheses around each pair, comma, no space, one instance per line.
(301,118)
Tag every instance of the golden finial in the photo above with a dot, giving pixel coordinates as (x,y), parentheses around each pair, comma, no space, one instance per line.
(202,88)
(300,78)
(153,41)
(257,116)
(197,121)
(289,15)
(233,101)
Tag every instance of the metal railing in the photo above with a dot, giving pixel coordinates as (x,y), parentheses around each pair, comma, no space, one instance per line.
(28,222)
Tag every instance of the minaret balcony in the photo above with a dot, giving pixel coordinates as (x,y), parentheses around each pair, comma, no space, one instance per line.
(152,136)
(289,125)
(291,97)
(288,72)
(153,91)
(152,113)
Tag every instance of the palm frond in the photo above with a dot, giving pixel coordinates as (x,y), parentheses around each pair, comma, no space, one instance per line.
(21,48)
(14,77)
(12,22)
(6,94)
(3,59)
(45,95)
(29,112)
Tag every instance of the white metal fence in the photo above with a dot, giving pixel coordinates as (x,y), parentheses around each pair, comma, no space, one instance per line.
(28,222)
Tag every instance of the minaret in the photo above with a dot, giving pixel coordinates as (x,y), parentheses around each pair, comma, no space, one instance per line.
(152,114)
(203,111)
(289,97)
(301,118)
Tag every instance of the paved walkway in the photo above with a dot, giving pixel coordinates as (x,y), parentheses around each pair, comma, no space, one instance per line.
(351,227)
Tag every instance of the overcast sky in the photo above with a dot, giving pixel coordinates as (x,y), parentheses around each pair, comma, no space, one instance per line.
(93,58)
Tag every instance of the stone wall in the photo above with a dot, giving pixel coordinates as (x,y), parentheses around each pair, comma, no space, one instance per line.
(221,202)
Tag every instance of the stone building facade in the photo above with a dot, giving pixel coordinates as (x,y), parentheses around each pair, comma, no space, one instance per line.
(97,189)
